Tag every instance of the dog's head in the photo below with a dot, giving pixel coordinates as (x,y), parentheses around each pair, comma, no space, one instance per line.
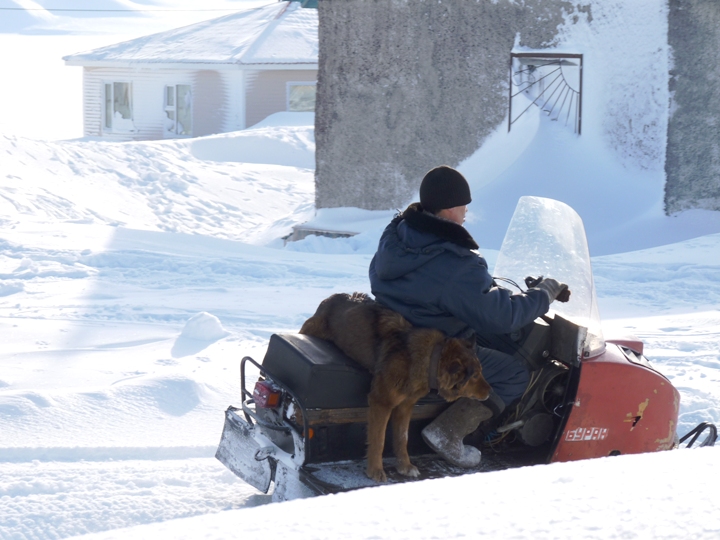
(459,372)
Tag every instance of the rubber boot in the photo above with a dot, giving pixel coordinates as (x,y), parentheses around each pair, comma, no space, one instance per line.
(486,427)
(445,434)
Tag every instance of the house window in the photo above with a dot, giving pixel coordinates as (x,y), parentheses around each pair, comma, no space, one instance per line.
(301,96)
(118,107)
(178,110)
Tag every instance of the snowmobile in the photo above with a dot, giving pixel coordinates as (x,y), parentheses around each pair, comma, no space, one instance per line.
(303,425)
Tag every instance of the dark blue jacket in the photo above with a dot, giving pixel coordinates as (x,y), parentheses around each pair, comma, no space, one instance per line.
(426,270)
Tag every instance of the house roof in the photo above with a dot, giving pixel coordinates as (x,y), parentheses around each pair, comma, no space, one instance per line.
(279,33)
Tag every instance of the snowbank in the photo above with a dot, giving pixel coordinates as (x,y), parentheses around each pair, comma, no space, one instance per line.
(659,496)
(203,327)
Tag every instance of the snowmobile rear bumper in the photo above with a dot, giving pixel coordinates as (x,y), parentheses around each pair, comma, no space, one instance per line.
(255,459)
(241,450)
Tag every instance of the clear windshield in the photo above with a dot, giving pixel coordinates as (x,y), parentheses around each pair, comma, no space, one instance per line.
(547,238)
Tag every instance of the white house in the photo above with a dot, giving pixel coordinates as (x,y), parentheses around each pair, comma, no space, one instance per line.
(215,76)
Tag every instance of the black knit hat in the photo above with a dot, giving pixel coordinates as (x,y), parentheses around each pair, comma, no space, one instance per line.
(444,187)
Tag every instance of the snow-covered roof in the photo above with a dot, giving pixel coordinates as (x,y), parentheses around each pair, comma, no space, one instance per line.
(279,33)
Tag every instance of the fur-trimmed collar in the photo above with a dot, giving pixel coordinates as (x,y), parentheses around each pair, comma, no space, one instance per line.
(448,230)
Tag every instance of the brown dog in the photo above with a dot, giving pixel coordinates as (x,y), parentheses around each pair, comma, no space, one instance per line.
(400,357)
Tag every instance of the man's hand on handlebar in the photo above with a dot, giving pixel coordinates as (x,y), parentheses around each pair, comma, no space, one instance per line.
(552,287)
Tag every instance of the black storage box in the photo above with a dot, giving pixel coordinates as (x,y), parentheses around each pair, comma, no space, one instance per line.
(317,372)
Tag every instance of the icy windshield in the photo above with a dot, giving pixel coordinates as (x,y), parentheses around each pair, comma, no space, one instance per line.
(547,238)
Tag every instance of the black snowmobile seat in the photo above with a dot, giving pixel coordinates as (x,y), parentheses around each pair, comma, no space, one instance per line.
(317,372)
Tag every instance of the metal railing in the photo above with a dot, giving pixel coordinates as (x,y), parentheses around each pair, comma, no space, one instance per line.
(543,78)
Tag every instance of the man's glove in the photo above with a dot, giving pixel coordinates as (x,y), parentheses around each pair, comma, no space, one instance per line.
(554,289)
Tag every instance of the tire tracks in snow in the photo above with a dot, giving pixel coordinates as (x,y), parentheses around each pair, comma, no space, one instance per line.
(77,454)
(59,500)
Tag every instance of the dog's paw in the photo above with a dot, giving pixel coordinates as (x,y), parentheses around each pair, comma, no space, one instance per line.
(408,470)
(376,474)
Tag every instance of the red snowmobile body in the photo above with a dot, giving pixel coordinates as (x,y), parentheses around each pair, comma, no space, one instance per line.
(622,406)
(303,425)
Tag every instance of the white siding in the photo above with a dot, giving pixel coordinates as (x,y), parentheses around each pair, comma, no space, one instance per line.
(92,103)
(210,98)
(148,88)
(223,101)
(267,91)
(235,114)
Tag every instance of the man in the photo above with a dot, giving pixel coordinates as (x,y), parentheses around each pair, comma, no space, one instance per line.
(426,270)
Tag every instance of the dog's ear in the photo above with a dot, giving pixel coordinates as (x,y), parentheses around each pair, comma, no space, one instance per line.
(462,376)
(469,343)
(447,382)
(455,367)
(457,375)
(469,372)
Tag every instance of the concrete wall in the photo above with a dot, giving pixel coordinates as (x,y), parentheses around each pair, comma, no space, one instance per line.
(406,85)
(693,147)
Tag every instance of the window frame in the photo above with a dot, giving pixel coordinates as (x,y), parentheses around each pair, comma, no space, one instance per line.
(290,84)
(174,109)
(108,123)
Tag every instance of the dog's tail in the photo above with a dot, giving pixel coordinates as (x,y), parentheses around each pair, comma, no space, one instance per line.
(360,297)
(316,327)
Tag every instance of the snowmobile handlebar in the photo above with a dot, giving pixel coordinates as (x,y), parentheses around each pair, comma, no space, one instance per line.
(697,431)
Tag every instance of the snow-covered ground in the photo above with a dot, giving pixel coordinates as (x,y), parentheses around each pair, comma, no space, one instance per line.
(135,276)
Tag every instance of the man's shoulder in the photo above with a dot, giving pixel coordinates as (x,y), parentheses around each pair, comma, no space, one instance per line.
(417,219)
